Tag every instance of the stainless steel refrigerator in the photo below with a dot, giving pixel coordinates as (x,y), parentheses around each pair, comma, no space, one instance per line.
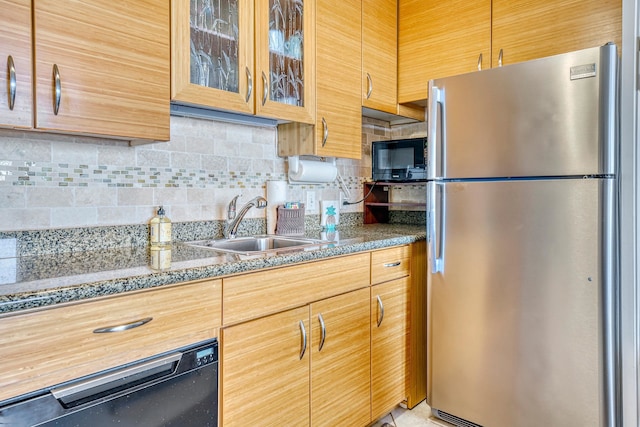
(522,226)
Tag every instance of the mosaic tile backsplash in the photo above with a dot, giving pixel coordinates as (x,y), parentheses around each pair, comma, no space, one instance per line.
(59,181)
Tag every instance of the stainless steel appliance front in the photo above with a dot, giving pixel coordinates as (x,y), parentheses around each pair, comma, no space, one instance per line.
(522,244)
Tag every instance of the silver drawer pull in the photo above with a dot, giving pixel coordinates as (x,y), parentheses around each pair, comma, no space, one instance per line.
(392,264)
(120,328)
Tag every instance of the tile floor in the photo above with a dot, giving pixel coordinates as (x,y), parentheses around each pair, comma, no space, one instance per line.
(416,417)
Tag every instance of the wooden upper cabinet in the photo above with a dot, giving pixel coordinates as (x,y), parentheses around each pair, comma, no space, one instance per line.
(284,52)
(338,79)
(380,55)
(246,56)
(212,54)
(16,97)
(103,67)
(438,39)
(530,29)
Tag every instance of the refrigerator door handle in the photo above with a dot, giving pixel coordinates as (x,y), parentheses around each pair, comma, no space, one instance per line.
(436,217)
(437,135)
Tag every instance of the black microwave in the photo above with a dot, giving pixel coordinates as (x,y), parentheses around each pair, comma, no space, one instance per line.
(399,160)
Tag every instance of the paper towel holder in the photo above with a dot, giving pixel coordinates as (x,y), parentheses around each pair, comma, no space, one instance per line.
(326,166)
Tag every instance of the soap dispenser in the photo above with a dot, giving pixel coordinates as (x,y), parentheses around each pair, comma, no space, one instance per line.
(160,229)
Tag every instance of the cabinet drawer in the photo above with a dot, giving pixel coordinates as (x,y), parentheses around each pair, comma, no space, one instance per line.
(388,264)
(45,347)
(257,294)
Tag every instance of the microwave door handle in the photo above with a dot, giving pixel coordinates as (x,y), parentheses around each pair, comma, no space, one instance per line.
(437,132)
(436,225)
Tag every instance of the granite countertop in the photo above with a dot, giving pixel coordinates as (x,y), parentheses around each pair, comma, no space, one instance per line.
(36,281)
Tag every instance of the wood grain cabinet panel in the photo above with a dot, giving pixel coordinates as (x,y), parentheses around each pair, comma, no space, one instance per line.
(390,344)
(530,29)
(337,131)
(265,371)
(380,55)
(48,346)
(340,355)
(252,295)
(391,263)
(113,62)
(16,105)
(440,38)
(444,38)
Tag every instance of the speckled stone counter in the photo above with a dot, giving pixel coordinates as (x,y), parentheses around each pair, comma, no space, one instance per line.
(47,279)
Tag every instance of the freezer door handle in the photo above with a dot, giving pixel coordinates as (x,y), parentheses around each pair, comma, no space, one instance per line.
(436,146)
(437,217)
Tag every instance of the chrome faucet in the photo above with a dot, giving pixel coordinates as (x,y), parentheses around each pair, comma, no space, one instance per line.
(233,219)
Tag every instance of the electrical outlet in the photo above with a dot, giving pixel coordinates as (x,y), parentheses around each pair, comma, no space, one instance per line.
(312,202)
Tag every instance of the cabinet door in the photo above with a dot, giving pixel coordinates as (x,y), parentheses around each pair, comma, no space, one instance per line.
(528,29)
(285,59)
(112,63)
(389,345)
(16,98)
(340,360)
(212,54)
(380,55)
(265,381)
(338,79)
(439,39)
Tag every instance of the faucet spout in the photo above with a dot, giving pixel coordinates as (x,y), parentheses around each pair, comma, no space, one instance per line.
(234,219)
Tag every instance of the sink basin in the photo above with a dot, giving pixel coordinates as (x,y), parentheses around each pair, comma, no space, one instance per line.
(259,244)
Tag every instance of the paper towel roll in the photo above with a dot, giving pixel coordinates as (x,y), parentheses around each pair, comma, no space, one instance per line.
(276,195)
(313,171)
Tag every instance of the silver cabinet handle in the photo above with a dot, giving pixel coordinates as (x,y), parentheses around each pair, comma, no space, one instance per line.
(380,310)
(58,89)
(500,58)
(325,132)
(392,264)
(265,88)
(11,70)
(303,333)
(249,84)
(480,62)
(369,85)
(323,332)
(120,328)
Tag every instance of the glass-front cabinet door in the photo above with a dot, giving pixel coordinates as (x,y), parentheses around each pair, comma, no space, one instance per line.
(285,59)
(248,56)
(212,53)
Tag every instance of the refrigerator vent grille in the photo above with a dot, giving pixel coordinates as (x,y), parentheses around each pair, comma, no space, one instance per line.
(453,419)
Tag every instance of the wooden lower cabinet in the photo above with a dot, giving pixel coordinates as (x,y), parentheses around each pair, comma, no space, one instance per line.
(265,371)
(275,371)
(390,345)
(340,375)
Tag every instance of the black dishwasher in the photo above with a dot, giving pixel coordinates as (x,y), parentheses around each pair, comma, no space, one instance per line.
(178,388)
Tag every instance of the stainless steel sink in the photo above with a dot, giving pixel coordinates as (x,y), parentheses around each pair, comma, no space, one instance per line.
(259,244)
